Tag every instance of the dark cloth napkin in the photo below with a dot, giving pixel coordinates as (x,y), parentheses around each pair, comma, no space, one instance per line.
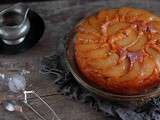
(54,65)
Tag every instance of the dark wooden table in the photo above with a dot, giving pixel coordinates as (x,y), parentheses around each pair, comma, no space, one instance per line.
(66,108)
(59,16)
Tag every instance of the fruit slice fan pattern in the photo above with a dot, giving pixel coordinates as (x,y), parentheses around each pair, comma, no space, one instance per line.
(118,50)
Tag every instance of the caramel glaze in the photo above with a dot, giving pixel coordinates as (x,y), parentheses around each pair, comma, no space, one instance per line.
(118,50)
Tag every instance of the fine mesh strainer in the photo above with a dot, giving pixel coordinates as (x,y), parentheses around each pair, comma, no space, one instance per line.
(15,97)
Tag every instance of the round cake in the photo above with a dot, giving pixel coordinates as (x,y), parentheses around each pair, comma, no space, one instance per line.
(118,50)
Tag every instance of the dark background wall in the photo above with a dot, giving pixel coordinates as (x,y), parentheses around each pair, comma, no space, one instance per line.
(14,1)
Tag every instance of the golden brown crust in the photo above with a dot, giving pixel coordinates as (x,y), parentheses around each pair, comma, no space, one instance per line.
(119,50)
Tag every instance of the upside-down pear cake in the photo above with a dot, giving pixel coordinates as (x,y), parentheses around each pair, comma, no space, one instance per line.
(118,50)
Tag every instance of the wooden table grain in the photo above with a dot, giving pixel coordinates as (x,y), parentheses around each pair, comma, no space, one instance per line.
(59,17)
(66,108)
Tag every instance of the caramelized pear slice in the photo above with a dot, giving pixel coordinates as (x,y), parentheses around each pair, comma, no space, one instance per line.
(86,27)
(129,39)
(105,63)
(132,74)
(123,13)
(93,22)
(86,47)
(112,29)
(140,42)
(156,55)
(84,38)
(139,15)
(118,70)
(147,67)
(145,16)
(102,15)
(97,53)
(154,26)
(156,37)
(112,14)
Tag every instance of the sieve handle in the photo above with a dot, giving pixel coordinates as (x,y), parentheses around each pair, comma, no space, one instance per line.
(44,102)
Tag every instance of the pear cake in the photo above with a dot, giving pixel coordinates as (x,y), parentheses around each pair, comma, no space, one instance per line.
(118,50)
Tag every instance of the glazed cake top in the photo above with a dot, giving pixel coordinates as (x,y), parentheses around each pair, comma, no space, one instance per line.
(122,44)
